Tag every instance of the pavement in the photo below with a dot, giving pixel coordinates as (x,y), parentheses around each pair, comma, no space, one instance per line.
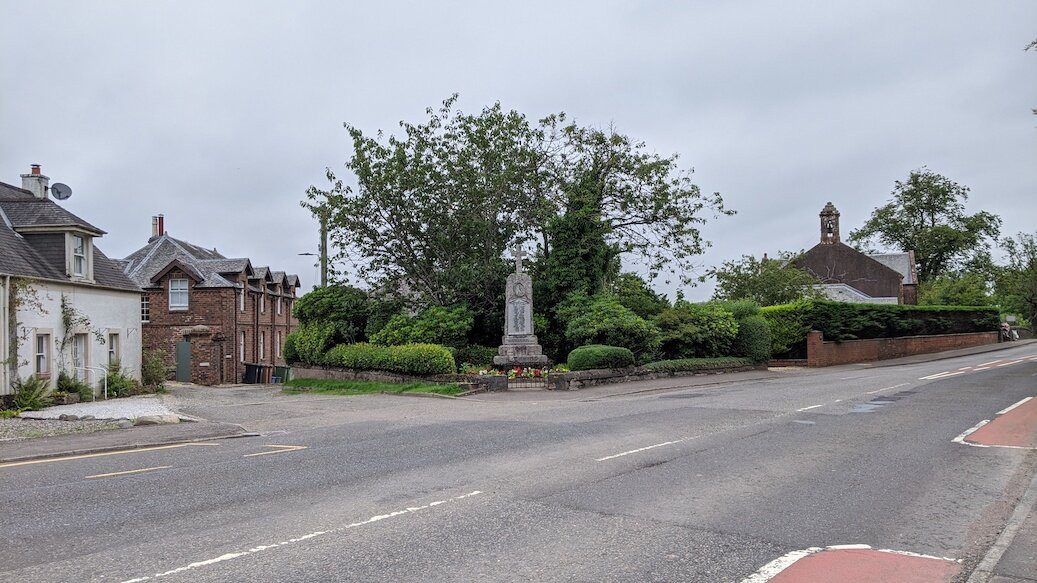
(1010,560)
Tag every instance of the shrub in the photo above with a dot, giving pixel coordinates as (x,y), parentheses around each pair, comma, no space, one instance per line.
(739,309)
(345,308)
(313,341)
(409,359)
(119,385)
(605,321)
(152,368)
(70,384)
(787,323)
(598,356)
(696,330)
(476,355)
(435,325)
(380,311)
(693,364)
(291,351)
(753,340)
(32,393)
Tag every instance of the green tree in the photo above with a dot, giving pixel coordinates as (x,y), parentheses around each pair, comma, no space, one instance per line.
(435,208)
(345,308)
(635,294)
(767,282)
(1017,283)
(958,289)
(927,215)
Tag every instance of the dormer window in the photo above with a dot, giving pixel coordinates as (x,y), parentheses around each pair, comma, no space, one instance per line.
(78,251)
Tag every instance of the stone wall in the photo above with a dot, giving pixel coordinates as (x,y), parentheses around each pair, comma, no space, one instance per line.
(825,353)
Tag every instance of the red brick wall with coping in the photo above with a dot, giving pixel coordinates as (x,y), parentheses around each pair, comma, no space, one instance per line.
(825,353)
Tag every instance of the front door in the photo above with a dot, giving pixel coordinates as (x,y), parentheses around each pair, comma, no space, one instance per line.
(183,361)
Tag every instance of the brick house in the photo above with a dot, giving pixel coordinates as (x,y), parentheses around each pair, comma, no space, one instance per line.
(208,314)
(848,275)
(65,307)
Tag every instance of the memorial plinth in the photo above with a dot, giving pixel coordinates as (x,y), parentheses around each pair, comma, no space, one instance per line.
(519,346)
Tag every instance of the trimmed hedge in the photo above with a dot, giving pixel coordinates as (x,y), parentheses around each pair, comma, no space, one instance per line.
(693,364)
(753,340)
(408,359)
(840,321)
(599,356)
(476,355)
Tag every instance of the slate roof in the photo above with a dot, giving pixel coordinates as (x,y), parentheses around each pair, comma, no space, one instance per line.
(20,209)
(902,263)
(150,260)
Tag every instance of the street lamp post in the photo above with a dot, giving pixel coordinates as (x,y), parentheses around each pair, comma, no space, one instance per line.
(323,249)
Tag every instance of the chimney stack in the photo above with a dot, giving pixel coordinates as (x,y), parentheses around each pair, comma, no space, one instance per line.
(154,226)
(36,182)
(161,225)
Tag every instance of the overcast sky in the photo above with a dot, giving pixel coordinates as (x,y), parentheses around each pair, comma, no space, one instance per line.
(221,114)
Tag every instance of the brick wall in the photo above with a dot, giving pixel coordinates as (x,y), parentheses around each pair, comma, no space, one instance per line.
(822,353)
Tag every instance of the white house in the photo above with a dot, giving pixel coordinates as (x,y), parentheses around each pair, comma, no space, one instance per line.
(64,305)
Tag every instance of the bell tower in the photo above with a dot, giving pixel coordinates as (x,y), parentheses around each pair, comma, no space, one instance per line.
(829,225)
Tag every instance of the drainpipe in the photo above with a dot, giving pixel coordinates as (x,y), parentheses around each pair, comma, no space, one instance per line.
(5,338)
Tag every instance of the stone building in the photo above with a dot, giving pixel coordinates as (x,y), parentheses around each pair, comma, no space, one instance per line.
(64,305)
(208,314)
(848,275)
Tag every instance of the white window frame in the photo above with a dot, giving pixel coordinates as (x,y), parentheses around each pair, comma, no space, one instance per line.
(42,356)
(178,307)
(277,345)
(278,305)
(145,308)
(80,356)
(113,347)
(262,341)
(79,255)
(241,300)
(79,262)
(241,348)
(262,303)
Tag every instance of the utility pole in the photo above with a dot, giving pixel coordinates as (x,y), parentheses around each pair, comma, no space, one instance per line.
(324,248)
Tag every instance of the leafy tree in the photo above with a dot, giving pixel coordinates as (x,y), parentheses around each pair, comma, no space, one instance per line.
(603,320)
(959,289)
(345,308)
(767,282)
(435,325)
(927,215)
(634,293)
(435,207)
(1017,284)
(696,331)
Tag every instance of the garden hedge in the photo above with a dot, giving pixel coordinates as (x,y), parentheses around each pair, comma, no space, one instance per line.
(694,364)
(408,359)
(840,321)
(476,355)
(753,340)
(599,356)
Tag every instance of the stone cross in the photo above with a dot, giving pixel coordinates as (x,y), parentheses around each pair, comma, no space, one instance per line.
(518,254)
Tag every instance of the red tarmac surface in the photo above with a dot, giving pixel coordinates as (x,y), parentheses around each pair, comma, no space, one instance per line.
(1017,427)
(867,566)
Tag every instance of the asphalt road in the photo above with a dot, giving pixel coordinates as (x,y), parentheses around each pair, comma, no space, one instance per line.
(708,482)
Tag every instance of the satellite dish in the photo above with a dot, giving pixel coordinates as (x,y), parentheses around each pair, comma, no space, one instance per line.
(61,191)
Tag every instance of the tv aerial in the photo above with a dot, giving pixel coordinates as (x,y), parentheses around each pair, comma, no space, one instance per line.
(61,191)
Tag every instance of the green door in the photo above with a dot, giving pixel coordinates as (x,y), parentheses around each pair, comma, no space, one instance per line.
(183,361)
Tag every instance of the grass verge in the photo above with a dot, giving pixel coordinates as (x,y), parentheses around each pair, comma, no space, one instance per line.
(335,387)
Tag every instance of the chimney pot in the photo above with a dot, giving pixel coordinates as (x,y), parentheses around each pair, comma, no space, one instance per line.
(35,169)
(161,225)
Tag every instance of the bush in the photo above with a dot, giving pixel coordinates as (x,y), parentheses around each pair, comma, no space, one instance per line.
(694,364)
(841,321)
(409,359)
(604,321)
(32,393)
(345,308)
(152,368)
(696,331)
(291,351)
(119,385)
(435,325)
(753,340)
(70,384)
(314,341)
(739,309)
(476,355)
(598,356)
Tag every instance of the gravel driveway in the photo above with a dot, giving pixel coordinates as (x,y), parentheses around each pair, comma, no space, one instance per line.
(106,415)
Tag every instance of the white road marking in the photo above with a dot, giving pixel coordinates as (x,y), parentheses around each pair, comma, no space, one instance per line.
(127,472)
(965,368)
(982,368)
(640,449)
(810,407)
(985,569)
(970,431)
(259,548)
(1003,411)
(281,449)
(991,362)
(775,567)
(887,388)
(942,375)
(1011,362)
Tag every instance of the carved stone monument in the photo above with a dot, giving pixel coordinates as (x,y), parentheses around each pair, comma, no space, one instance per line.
(519,347)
